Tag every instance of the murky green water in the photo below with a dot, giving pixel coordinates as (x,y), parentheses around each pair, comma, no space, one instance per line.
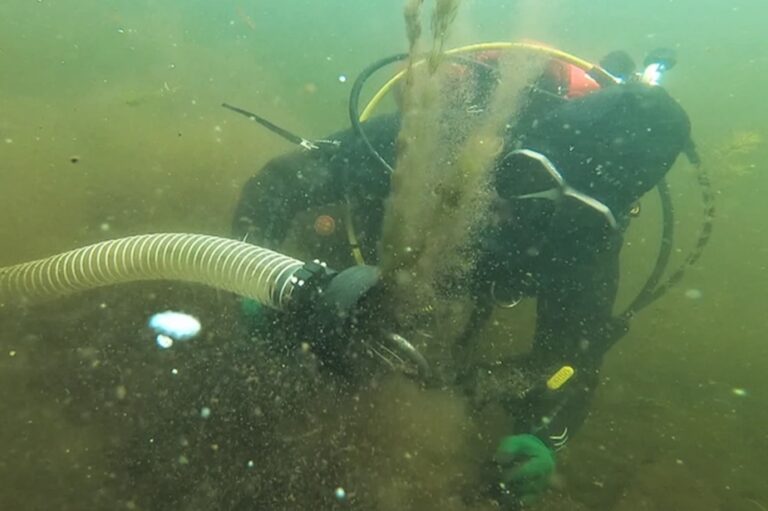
(110,125)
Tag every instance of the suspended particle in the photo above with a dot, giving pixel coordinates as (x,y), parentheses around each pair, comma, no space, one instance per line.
(164,342)
(693,294)
(325,225)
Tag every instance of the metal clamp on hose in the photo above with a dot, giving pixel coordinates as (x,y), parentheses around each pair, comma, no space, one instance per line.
(308,282)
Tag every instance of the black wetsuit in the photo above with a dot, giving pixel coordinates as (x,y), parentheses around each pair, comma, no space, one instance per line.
(613,145)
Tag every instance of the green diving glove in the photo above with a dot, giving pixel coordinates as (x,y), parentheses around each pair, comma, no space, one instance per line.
(526,464)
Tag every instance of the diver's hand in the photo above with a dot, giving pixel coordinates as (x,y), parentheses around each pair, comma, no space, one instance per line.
(526,464)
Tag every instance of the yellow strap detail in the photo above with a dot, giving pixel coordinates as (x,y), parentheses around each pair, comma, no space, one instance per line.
(560,378)
(354,245)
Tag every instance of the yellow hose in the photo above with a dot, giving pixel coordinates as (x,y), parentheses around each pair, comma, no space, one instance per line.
(536,48)
(226,264)
(587,66)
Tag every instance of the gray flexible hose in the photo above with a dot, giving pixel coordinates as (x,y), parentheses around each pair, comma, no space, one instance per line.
(244,269)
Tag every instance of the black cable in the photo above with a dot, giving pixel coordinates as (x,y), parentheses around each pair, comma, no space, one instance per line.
(651,290)
(309,145)
(708,198)
(646,294)
(290,137)
(357,88)
(354,103)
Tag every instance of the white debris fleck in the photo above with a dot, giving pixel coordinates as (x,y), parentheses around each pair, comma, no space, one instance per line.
(176,325)
(164,342)
(205,412)
(739,392)
(342,78)
(532,251)
(174,371)
(340,493)
(12,353)
(693,294)
(250,464)
(121,392)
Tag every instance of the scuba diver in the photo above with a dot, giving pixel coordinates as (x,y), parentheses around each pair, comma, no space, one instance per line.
(583,150)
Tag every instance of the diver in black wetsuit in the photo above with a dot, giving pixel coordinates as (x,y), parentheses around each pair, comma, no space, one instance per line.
(571,172)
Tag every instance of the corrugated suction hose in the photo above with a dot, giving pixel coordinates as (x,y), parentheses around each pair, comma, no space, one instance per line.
(247,270)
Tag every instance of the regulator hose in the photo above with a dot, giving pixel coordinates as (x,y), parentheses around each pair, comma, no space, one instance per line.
(648,293)
(247,270)
(651,293)
(356,118)
(353,106)
(653,288)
